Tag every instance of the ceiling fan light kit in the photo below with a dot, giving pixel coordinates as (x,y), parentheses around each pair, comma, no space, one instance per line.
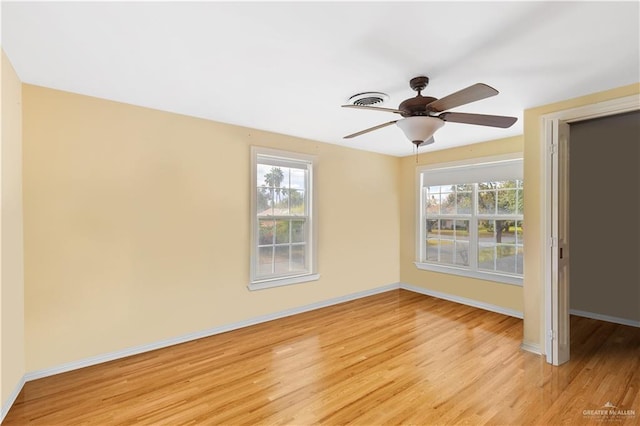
(419,129)
(424,115)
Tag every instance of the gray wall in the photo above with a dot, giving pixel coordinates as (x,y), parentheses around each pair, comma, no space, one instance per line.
(605,216)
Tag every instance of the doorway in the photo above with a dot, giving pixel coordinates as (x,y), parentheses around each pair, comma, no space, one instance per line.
(556,206)
(604,179)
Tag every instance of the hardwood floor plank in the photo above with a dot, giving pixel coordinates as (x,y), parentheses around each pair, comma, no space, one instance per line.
(392,358)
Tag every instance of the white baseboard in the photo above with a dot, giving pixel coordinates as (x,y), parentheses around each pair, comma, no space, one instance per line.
(74,365)
(463,300)
(616,320)
(6,405)
(531,347)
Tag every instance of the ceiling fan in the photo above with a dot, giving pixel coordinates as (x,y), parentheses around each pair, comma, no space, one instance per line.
(423,115)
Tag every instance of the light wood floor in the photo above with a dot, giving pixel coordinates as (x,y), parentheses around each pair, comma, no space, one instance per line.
(393,358)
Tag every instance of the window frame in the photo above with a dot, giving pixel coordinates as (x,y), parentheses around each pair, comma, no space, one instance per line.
(421,234)
(310,274)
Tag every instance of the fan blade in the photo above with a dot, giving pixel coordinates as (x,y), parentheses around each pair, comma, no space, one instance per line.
(480,119)
(397,111)
(465,96)
(370,129)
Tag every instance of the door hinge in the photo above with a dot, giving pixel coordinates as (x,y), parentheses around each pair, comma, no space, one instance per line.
(553,149)
(551,334)
(553,242)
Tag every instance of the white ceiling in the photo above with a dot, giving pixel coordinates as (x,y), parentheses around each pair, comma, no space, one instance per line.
(287,67)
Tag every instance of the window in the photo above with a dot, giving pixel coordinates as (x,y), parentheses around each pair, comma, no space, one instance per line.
(471,219)
(283,232)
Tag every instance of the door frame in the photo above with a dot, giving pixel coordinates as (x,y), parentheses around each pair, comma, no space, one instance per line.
(550,214)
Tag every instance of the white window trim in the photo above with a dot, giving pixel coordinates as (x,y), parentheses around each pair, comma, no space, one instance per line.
(481,275)
(312,274)
(420,234)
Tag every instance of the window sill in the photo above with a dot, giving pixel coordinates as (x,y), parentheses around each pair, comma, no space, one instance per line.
(486,276)
(279,282)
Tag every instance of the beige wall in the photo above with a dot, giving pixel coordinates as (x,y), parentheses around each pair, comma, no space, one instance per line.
(533,177)
(137,225)
(503,295)
(12,359)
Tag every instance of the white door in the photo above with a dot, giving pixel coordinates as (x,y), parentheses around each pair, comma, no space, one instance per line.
(560,252)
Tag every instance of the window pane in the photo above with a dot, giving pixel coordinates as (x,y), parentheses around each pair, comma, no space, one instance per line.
(506,258)
(298,256)
(486,202)
(296,201)
(297,231)
(520,232)
(264,199)
(280,202)
(433,247)
(485,231)
(298,179)
(432,206)
(262,170)
(462,253)
(284,183)
(433,199)
(282,232)
(281,259)
(507,201)
(446,227)
(447,248)
(520,261)
(461,230)
(520,202)
(265,260)
(505,231)
(464,203)
(447,203)
(486,257)
(265,232)
(433,228)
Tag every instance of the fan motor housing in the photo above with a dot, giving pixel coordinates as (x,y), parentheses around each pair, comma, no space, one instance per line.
(416,106)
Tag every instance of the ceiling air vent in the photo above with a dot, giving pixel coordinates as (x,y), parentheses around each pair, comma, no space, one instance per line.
(368,98)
